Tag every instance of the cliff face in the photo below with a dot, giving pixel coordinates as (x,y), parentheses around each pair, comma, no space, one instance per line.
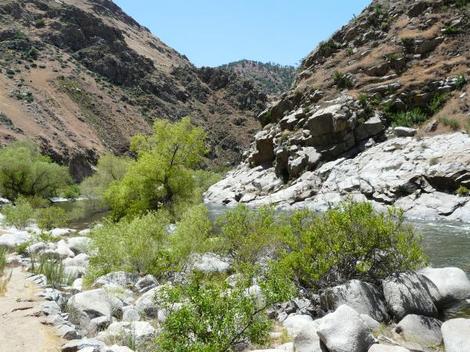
(399,64)
(81,77)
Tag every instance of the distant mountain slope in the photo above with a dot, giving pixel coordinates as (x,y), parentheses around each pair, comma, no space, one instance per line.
(270,78)
(81,77)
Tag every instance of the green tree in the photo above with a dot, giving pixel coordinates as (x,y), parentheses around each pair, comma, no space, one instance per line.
(109,169)
(162,176)
(25,172)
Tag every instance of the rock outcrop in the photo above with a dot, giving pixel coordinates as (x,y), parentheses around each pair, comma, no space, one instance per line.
(420,176)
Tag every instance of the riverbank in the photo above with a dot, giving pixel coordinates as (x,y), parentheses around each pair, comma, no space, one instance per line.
(117,312)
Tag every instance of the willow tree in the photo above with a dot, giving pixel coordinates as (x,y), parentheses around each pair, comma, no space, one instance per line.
(162,175)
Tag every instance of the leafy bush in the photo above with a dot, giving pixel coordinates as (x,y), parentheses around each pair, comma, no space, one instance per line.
(109,169)
(326,49)
(247,234)
(437,102)
(408,118)
(461,81)
(162,176)
(18,215)
(463,191)
(212,316)
(137,245)
(25,172)
(52,269)
(51,217)
(342,80)
(449,122)
(351,241)
(191,236)
(450,30)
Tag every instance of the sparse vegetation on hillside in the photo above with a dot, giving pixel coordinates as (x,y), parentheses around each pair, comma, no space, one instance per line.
(270,78)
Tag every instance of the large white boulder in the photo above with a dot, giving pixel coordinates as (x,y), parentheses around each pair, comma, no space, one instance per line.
(79,244)
(452,283)
(419,332)
(456,335)
(141,332)
(94,303)
(118,278)
(363,297)
(345,331)
(410,293)
(209,263)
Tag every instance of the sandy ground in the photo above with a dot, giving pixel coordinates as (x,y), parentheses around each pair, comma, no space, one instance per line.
(20,329)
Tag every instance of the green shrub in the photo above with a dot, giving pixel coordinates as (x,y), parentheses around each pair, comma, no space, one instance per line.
(52,269)
(213,316)
(25,172)
(351,241)
(437,102)
(463,191)
(3,260)
(191,236)
(408,118)
(342,80)
(461,81)
(326,49)
(138,245)
(51,217)
(70,192)
(449,122)
(247,235)
(18,215)
(40,23)
(162,176)
(450,30)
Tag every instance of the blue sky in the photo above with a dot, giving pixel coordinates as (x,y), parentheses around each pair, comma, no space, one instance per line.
(214,32)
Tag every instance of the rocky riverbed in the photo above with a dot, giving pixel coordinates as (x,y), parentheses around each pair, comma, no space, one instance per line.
(419,175)
(413,311)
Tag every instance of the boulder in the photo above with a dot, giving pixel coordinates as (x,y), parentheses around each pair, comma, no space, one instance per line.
(116,348)
(452,283)
(146,283)
(81,260)
(345,331)
(13,239)
(419,331)
(63,250)
(404,131)
(94,303)
(118,278)
(79,244)
(372,127)
(209,263)
(145,304)
(410,293)
(141,332)
(77,345)
(129,313)
(294,324)
(456,335)
(387,348)
(307,340)
(363,297)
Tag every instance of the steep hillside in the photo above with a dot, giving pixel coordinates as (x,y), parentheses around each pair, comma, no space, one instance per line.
(81,77)
(272,79)
(399,64)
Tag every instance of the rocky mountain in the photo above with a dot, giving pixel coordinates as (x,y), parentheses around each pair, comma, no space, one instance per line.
(369,115)
(81,77)
(270,78)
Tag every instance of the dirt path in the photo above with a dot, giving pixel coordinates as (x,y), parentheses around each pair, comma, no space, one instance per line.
(20,330)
